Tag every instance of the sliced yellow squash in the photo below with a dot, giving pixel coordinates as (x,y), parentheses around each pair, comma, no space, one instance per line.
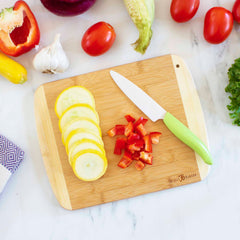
(79,134)
(89,165)
(76,111)
(83,145)
(80,123)
(71,96)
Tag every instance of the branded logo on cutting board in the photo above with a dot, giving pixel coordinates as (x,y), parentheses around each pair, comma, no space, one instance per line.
(181,178)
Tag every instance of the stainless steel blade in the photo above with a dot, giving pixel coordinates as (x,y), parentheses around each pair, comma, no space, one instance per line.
(143,101)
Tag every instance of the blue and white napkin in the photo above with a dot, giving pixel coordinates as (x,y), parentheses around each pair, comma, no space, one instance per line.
(10,158)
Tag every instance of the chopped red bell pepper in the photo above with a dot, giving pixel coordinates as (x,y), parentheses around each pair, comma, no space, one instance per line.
(148,143)
(127,155)
(132,138)
(129,118)
(128,129)
(139,121)
(124,162)
(120,145)
(141,130)
(117,130)
(139,143)
(139,165)
(146,157)
(19,31)
(136,156)
(112,132)
(133,147)
(155,137)
(120,129)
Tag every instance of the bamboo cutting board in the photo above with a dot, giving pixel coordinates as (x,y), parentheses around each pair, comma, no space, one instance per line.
(167,80)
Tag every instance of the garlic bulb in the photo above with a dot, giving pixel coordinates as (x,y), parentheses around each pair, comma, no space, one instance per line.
(51,59)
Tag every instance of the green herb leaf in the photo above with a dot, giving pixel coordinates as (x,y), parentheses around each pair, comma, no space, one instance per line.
(234,89)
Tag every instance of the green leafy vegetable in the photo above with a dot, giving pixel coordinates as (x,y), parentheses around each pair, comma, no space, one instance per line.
(142,14)
(234,89)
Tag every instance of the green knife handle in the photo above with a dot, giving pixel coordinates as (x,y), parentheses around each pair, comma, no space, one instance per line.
(186,136)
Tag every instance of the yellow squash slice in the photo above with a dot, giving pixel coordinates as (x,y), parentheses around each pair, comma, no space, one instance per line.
(77,111)
(71,96)
(89,165)
(83,145)
(80,134)
(80,123)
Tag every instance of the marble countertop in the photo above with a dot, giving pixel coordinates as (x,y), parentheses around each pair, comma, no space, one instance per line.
(206,210)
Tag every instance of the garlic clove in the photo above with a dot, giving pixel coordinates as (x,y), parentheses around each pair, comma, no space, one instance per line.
(51,59)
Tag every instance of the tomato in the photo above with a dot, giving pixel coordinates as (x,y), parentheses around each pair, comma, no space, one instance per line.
(218,25)
(236,11)
(184,10)
(98,39)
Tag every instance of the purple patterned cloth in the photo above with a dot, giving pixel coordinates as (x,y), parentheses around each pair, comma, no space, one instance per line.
(10,158)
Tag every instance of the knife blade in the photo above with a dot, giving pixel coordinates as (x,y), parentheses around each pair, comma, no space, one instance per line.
(155,112)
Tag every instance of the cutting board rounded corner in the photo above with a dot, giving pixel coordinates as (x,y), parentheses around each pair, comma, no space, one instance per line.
(192,108)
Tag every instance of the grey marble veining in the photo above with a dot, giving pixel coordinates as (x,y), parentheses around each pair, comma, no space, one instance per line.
(206,210)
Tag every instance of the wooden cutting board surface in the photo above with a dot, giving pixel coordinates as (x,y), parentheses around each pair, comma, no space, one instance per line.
(167,80)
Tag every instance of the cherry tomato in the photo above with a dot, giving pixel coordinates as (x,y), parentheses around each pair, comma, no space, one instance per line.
(184,10)
(218,25)
(236,11)
(98,39)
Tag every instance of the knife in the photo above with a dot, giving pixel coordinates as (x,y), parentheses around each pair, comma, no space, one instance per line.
(155,112)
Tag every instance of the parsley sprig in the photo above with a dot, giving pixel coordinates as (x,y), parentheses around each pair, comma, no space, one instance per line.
(234,89)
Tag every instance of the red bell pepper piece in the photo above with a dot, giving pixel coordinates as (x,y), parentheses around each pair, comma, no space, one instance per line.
(120,129)
(123,163)
(128,129)
(139,143)
(148,143)
(132,138)
(136,156)
(155,137)
(139,165)
(146,157)
(141,130)
(133,147)
(129,118)
(117,130)
(120,145)
(127,155)
(112,132)
(19,31)
(139,121)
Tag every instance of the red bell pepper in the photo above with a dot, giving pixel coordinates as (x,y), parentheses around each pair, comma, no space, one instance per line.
(112,132)
(19,31)
(120,145)
(128,129)
(123,163)
(155,137)
(136,156)
(148,143)
(132,138)
(129,118)
(141,130)
(139,121)
(120,129)
(133,147)
(146,157)
(127,155)
(139,165)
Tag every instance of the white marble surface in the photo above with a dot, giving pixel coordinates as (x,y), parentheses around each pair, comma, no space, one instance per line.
(206,210)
